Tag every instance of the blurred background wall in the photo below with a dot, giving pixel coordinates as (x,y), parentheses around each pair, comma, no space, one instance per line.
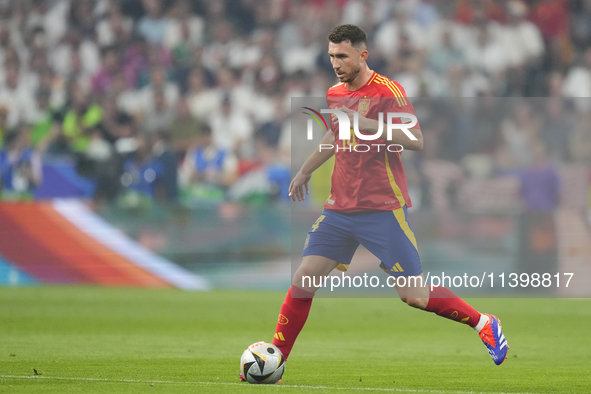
(170,120)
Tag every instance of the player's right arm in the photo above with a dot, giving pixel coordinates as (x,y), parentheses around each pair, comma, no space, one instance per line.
(319,157)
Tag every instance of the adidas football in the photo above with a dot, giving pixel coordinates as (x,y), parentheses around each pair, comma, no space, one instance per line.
(262,363)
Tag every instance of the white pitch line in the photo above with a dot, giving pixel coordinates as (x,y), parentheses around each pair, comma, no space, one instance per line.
(296,386)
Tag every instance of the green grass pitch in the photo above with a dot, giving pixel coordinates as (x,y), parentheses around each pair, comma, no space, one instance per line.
(112,340)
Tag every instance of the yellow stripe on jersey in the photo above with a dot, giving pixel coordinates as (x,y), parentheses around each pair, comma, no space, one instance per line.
(380,81)
(395,187)
(402,97)
(401,218)
(392,85)
(394,89)
(397,89)
(375,74)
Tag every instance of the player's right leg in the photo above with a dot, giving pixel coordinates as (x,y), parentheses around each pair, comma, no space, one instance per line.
(330,244)
(312,271)
(298,301)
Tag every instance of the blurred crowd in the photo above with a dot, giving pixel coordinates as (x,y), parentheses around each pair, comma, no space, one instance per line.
(189,101)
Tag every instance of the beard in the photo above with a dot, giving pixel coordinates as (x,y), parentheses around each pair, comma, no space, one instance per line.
(350,76)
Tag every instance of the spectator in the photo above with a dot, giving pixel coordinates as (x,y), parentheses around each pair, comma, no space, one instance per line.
(44,118)
(414,78)
(540,190)
(241,95)
(578,78)
(266,178)
(302,57)
(552,18)
(160,116)
(557,126)
(524,45)
(391,35)
(3,124)
(202,101)
(5,42)
(185,29)
(51,17)
(20,165)
(81,18)
(207,171)
(103,80)
(232,130)
(580,139)
(365,14)
(474,11)
(74,46)
(80,120)
(15,95)
(184,129)
(159,83)
(142,172)
(153,25)
(540,184)
(222,43)
(163,153)
(115,28)
(522,38)
(487,56)
(442,57)
(519,132)
(270,132)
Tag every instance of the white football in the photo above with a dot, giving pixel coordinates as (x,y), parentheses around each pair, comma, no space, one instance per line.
(262,363)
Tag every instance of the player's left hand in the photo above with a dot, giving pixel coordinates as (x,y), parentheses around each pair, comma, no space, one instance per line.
(297,186)
(362,122)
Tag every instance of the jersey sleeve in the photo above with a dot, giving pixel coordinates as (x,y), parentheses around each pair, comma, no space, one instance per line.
(395,100)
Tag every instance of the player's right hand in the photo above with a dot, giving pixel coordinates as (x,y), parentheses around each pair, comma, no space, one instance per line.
(296,188)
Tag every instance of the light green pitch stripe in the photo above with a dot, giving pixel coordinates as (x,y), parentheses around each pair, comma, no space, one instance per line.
(284,386)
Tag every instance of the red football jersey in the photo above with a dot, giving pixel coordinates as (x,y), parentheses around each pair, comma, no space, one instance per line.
(374,179)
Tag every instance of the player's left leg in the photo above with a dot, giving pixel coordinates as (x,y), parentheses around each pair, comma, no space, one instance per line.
(389,237)
(437,299)
(443,302)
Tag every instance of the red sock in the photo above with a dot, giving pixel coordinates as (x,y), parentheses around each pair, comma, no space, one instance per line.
(444,302)
(292,318)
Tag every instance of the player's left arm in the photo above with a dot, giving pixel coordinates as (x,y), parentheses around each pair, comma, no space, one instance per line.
(372,126)
(399,137)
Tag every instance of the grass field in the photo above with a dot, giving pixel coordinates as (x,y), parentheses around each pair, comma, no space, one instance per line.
(105,340)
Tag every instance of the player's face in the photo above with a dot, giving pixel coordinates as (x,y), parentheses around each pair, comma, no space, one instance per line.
(346,60)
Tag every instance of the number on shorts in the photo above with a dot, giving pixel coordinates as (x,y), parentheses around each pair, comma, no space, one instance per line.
(317,223)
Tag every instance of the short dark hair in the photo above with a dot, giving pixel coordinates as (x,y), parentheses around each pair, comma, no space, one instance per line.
(351,33)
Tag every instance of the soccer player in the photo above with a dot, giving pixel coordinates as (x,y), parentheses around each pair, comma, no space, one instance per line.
(368,202)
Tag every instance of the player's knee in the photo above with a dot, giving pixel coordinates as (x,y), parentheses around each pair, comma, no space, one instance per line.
(419,303)
(306,279)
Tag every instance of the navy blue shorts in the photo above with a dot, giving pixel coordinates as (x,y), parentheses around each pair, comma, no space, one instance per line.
(386,234)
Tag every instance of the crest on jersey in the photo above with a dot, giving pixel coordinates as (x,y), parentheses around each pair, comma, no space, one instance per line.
(363,107)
